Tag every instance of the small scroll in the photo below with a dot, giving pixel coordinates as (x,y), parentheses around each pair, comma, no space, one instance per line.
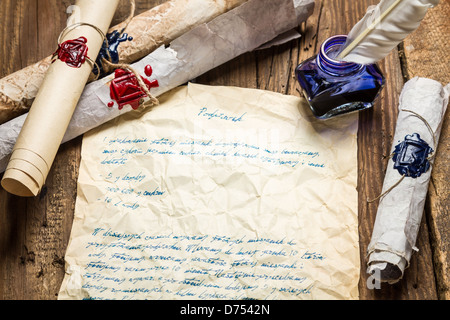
(423,103)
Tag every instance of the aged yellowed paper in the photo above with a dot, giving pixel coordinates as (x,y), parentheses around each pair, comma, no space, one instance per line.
(217,193)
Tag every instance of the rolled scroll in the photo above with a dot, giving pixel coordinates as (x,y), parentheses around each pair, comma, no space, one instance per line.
(52,109)
(149,30)
(423,103)
(241,30)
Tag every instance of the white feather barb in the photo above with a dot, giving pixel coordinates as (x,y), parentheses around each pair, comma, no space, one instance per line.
(382,28)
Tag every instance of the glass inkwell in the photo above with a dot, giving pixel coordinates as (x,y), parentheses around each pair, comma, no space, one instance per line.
(333,87)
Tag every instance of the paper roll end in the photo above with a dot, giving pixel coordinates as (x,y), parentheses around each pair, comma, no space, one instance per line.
(387,272)
(25,174)
(20,184)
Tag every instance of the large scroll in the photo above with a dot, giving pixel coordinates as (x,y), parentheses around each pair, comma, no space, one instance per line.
(58,95)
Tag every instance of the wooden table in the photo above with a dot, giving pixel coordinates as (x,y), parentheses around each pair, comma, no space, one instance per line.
(34,232)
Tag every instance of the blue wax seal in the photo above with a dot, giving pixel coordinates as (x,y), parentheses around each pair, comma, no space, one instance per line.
(114,40)
(411,156)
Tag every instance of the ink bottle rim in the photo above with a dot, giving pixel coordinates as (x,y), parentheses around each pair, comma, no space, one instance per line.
(332,66)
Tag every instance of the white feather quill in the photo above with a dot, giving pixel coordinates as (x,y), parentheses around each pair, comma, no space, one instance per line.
(382,28)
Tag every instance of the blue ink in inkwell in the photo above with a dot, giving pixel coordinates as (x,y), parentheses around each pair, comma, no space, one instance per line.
(333,87)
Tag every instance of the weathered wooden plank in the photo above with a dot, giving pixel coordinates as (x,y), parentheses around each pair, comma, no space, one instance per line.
(31,241)
(426,55)
(24,36)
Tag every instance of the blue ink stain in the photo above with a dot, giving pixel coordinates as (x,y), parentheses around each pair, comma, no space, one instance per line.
(411,156)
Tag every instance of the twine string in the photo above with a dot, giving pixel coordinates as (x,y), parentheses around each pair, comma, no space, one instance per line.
(388,190)
(130,16)
(79,24)
(126,22)
(433,135)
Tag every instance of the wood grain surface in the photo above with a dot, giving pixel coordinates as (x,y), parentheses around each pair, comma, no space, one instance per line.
(34,232)
(425,54)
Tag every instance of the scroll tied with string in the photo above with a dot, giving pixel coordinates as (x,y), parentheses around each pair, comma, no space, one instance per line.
(423,103)
(52,109)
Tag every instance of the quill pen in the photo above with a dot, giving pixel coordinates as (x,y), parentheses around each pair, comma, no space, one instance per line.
(382,28)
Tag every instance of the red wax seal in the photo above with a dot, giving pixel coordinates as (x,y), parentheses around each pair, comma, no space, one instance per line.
(125,88)
(73,52)
(148,70)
